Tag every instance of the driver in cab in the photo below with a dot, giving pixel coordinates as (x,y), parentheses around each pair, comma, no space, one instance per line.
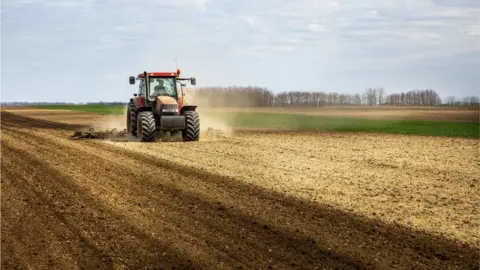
(160,88)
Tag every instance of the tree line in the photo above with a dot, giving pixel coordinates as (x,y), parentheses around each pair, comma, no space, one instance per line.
(252,96)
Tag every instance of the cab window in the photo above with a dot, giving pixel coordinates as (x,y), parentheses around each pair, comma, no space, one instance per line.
(141,88)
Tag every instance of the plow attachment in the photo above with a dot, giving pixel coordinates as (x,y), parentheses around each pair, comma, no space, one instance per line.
(92,134)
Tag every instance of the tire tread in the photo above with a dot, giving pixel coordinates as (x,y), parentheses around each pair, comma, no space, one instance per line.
(192,129)
(147,121)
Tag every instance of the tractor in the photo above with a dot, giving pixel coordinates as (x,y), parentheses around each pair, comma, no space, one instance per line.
(158,107)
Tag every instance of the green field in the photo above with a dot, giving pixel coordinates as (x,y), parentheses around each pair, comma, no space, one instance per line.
(339,124)
(100,109)
(311,122)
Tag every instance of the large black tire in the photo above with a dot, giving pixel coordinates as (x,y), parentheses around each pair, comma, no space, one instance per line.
(146,126)
(192,126)
(131,120)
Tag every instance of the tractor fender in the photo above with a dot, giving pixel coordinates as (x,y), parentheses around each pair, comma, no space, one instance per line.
(137,102)
(185,108)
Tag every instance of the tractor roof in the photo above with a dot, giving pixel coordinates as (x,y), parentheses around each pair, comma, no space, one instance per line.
(160,74)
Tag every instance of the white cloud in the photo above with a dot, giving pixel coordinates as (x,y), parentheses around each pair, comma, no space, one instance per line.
(334,3)
(284,48)
(315,27)
(249,20)
(198,5)
(473,30)
(16,3)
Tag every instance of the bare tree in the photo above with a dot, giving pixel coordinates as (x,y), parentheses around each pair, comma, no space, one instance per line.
(450,100)
(381,95)
(471,101)
(370,96)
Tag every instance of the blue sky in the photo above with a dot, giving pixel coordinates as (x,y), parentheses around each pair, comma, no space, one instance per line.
(70,50)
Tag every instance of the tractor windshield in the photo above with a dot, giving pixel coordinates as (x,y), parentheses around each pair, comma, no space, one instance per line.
(163,86)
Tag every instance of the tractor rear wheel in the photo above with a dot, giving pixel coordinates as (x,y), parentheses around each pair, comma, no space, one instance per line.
(192,126)
(146,126)
(131,120)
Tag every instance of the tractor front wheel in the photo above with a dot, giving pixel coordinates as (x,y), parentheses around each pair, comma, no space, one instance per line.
(131,120)
(146,126)
(192,126)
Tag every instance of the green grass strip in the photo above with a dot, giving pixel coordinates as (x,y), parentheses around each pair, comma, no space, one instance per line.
(99,109)
(340,124)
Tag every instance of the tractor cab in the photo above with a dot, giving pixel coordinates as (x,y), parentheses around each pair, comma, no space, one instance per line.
(161,84)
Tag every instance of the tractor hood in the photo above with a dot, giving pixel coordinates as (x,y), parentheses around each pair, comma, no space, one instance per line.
(166,100)
(166,103)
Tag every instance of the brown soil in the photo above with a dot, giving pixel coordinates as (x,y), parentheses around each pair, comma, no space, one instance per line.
(419,182)
(253,200)
(409,113)
(72,117)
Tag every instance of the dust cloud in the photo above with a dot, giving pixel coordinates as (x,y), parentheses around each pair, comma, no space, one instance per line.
(207,121)
(110,122)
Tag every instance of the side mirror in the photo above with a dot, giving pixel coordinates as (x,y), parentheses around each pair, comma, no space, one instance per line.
(132,80)
(193,81)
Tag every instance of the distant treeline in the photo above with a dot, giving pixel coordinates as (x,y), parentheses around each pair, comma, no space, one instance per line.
(252,96)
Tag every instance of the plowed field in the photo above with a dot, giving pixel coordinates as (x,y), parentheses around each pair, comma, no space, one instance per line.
(265,200)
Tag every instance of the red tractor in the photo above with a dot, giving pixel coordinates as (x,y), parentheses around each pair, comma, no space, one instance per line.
(158,107)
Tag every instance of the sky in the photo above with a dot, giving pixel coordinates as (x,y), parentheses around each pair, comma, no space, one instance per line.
(84,51)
